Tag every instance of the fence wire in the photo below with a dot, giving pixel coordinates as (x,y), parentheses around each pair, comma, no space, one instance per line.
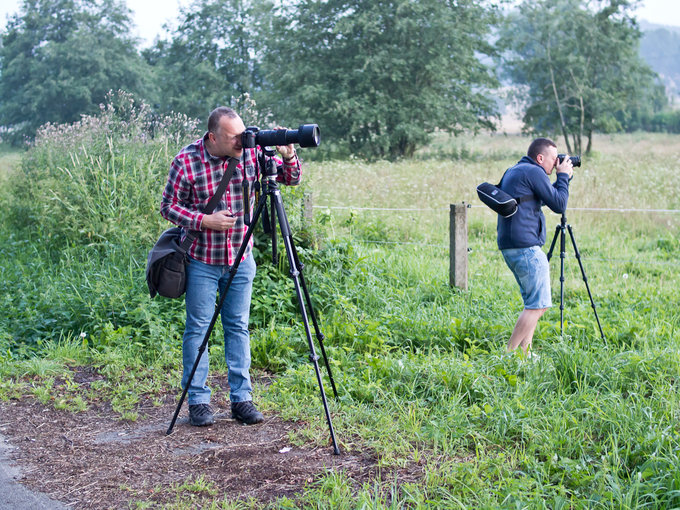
(472,251)
(480,206)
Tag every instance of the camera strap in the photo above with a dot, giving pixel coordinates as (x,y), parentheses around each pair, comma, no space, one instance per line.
(212,203)
(246,193)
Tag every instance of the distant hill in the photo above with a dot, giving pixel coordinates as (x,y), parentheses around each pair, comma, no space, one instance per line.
(660,48)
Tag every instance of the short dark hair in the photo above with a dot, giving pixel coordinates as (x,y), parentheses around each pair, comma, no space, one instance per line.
(217,114)
(538,146)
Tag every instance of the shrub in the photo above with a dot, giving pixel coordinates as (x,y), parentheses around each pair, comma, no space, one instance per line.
(98,180)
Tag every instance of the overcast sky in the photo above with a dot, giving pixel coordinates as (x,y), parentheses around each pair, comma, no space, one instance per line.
(150,15)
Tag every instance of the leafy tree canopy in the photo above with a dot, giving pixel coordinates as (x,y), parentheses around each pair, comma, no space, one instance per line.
(660,47)
(381,76)
(580,64)
(213,56)
(59,58)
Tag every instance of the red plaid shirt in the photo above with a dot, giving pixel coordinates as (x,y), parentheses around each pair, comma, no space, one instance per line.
(194,177)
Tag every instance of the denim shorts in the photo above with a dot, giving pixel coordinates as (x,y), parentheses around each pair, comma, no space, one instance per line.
(532,272)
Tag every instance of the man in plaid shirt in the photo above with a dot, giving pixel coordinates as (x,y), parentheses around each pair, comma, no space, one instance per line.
(195,175)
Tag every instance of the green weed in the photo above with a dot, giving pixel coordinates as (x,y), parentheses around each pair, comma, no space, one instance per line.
(423,379)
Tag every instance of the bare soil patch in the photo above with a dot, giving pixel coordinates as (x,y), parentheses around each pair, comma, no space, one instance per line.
(93,459)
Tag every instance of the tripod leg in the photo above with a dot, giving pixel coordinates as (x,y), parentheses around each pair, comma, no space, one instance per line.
(562,255)
(552,244)
(272,226)
(201,348)
(585,279)
(218,307)
(295,275)
(319,336)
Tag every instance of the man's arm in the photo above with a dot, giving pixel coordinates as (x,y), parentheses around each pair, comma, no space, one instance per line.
(289,168)
(176,205)
(555,195)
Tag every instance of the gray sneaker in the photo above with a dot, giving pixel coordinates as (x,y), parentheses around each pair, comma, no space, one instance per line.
(201,415)
(245,412)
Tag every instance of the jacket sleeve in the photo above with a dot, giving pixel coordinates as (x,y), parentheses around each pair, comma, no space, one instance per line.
(555,195)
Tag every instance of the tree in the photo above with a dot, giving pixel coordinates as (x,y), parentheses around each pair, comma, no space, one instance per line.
(645,107)
(660,48)
(380,76)
(59,58)
(213,56)
(579,60)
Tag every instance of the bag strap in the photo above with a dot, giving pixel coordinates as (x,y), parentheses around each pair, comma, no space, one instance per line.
(525,198)
(212,203)
(501,181)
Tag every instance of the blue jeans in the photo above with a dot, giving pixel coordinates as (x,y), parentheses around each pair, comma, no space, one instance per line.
(201,291)
(532,272)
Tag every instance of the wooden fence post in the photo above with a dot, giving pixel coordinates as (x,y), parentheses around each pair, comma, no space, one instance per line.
(307,210)
(458,249)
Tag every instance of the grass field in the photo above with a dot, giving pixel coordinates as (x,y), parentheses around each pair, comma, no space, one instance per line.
(420,367)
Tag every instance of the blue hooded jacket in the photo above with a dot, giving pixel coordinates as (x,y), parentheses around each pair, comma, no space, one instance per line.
(526,227)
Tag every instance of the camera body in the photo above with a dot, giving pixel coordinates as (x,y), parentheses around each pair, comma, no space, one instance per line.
(575,160)
(307,135)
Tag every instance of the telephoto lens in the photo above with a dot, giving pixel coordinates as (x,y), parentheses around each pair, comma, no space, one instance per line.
(307,135)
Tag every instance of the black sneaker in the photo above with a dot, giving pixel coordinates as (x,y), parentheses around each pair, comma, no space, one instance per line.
(245,412)
(201,415)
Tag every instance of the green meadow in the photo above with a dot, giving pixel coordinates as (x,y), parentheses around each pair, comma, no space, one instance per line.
(420,367)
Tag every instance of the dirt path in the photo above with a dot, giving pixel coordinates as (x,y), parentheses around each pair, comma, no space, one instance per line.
(94,460)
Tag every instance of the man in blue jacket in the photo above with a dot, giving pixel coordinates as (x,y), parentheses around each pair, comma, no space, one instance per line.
(521,236)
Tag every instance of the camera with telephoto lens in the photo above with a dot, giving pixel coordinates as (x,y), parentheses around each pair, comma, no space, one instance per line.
(575,160)
(307,135)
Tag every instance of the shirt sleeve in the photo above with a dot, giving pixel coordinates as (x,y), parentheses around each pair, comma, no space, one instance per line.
(176,202)
(289,172)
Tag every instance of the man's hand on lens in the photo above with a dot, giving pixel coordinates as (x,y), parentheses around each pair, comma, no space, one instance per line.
(221,220)
(287,151)
(565,166)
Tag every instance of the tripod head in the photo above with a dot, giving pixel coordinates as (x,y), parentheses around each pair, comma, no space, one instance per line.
(265,167)
(268,165)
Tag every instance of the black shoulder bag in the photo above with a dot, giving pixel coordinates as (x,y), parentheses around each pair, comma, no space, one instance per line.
(500,201)
(166,263)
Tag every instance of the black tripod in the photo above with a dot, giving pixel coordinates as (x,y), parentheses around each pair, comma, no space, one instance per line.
(560,230)
(270,189)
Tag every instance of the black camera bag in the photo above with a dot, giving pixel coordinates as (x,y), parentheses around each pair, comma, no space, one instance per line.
(500,201)
(166,263)
(165,267)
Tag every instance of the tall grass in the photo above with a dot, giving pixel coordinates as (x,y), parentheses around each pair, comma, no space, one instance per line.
(423,379)
(98,180)
(80,213)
